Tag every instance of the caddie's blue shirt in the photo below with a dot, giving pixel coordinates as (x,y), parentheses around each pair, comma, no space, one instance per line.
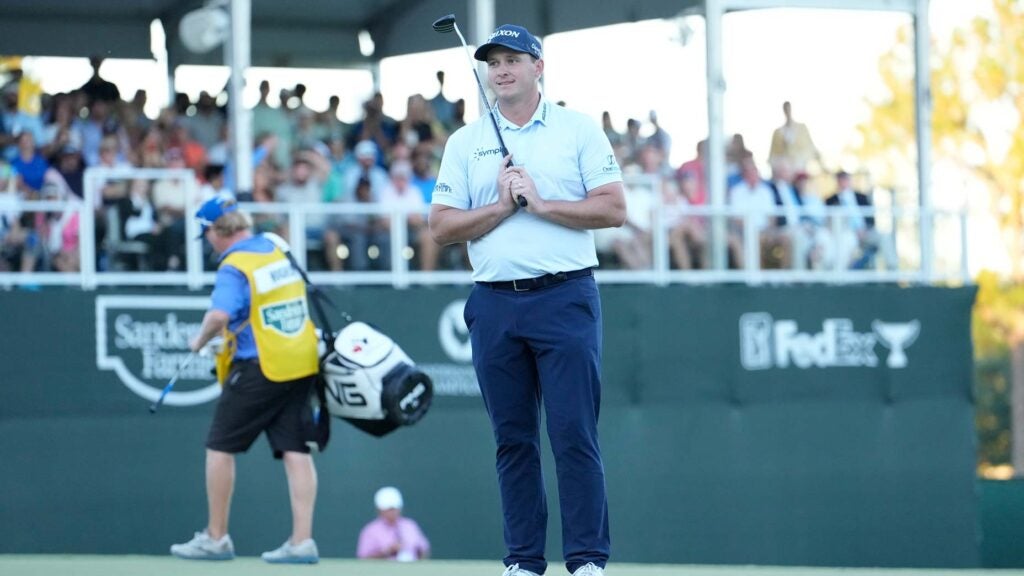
(565,152)
(231,294)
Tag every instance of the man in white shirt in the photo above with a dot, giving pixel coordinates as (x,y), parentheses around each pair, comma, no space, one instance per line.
(754,203)
(534,314)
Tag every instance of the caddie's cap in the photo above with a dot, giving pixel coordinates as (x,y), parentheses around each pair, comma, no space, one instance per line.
(512,37)
(213,209)
(387,498)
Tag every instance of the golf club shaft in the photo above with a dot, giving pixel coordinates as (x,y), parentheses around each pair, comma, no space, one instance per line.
(170,384)
(483,100)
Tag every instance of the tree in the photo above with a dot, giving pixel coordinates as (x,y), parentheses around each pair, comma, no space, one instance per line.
(977,84)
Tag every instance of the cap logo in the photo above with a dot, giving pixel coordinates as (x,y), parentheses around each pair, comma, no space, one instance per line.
(497,33)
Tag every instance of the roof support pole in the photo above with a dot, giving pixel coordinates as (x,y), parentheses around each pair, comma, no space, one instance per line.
(715,169)
(237,55)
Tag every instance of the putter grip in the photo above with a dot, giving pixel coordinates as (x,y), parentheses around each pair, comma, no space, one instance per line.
(521,201)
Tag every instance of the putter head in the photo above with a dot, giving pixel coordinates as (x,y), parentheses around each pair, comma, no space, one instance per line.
(444,24)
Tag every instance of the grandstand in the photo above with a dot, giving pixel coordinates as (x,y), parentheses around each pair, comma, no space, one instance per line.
(793,404)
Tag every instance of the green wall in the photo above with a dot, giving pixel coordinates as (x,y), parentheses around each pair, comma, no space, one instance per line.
(764,425)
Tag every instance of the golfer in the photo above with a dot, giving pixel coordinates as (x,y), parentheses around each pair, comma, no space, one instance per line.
(267,368)
(534,313)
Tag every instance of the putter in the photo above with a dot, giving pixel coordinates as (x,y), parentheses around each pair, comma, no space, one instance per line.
(446,24)
(170,384)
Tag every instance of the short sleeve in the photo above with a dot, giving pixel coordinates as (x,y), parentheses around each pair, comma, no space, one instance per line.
(452,187)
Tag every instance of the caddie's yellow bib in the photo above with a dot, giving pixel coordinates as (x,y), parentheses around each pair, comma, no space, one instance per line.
(279,317)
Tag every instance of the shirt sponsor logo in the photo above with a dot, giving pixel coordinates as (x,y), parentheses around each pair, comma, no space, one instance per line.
(144,340)
(275,275)
(286,317)
(481,153)
(442,188)
(767,343)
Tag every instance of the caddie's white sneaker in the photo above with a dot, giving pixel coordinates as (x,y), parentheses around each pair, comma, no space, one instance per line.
(202,547)
(589,569)
(304,552)
(515,570)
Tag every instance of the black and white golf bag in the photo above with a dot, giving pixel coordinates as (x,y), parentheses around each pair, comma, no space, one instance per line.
(372,383)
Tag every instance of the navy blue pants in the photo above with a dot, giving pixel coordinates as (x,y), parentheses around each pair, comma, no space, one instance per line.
(533,347)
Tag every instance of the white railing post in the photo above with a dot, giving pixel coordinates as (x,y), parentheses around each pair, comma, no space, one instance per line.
(87,231)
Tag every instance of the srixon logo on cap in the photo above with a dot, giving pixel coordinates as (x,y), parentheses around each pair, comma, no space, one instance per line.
(497,33)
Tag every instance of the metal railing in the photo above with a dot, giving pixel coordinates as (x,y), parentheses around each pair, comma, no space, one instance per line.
(902,226)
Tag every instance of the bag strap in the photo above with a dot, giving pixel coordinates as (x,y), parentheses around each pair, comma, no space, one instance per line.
(316,296)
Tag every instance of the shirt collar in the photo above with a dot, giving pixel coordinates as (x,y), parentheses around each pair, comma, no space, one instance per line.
(540,115)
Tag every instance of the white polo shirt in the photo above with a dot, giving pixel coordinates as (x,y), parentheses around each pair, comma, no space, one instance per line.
(565,152)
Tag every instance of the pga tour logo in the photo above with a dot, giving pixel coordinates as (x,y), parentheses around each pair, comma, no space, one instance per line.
(144,339)
(769,343)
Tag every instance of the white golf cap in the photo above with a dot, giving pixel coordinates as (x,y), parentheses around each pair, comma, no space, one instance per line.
(388,497)
(366,149)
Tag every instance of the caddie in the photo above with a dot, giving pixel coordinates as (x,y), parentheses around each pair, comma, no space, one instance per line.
(267,368)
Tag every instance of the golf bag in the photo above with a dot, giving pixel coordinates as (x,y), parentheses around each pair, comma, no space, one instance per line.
(371,383)
(365,378)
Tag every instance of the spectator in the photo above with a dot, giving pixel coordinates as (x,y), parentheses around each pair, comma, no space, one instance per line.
(697,168)
(402,194)
(458,116)
(420,125)
(632,141)
(424,175)
(660,138)
(169,197)
(193,153)
(376,126)
(204,127)
(818,248)
(267,119)
(97,88)
(367,154)
(58,132)
(365,236)
(789,222)
(392,536)
(753,202)
(20,245)
(305,185)
(101,125)
(614,136)
(735,153)
(363,184)
(687,234)
(444,109)
(328,126)
(859,241)
(632,244)
(70,167)
(29,164)
(792,143)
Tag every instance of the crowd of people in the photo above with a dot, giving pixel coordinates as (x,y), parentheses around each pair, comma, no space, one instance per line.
(303,155)
(790,212)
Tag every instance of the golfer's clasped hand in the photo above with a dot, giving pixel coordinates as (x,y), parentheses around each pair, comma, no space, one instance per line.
(515,181)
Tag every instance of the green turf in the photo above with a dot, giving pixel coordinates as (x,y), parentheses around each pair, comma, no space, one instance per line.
(40,565)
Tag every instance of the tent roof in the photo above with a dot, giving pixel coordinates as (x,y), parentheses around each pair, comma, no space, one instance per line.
(305,33)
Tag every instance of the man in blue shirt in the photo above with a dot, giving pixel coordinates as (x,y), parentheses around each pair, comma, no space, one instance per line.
(535,313)
(267,369)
